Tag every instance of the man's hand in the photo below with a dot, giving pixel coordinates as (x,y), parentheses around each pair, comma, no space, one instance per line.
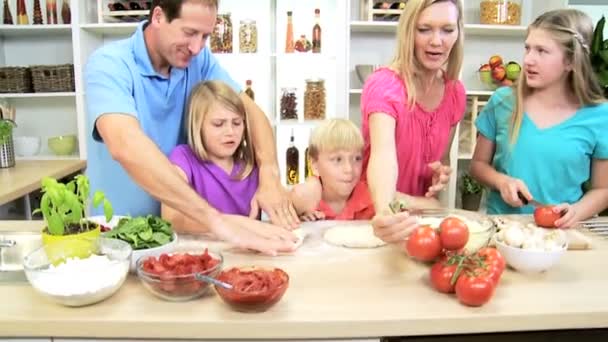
(273,199)
(246,233)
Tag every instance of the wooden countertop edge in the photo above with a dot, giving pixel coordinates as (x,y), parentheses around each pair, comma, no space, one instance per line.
(306,329)
(71,168)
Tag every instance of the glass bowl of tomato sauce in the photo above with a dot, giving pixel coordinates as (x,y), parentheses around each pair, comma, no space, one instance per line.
(172,276)
(254,289)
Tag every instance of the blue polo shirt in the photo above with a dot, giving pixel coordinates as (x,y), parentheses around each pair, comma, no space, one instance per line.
(120,78)
(553,162)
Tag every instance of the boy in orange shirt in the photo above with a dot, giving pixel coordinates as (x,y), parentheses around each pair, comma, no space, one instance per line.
(335,192)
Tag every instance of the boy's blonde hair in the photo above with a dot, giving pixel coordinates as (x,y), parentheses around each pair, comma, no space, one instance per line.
(405,59)
(334,134)
(573,30)
(202,99)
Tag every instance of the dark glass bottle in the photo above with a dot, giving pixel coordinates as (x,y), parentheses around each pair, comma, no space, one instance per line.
(292,159)
(316,33)
(248,90)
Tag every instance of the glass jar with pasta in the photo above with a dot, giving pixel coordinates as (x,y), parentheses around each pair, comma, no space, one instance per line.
(248,36)
(500,12)
(314,99)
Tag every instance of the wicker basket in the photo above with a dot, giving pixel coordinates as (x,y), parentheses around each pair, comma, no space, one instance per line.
(53,78)
(15,80)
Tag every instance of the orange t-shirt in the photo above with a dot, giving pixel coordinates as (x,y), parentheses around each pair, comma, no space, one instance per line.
(359,206)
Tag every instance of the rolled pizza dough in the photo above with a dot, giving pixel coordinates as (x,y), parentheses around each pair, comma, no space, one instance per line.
(353,236)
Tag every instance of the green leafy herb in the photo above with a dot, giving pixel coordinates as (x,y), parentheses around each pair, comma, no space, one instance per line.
(142,232)
(6,130)
(63,205)
(470,185)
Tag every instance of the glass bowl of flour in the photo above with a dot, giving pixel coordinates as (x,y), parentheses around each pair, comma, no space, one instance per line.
(80,281)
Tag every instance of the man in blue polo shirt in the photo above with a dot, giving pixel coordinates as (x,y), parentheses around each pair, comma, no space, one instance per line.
(137,91)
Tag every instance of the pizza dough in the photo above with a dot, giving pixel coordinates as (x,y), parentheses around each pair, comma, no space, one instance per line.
(353,236)
(301,235)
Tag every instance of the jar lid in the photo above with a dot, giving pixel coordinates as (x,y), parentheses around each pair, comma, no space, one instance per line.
(315,80)
(247,21)
(289,89)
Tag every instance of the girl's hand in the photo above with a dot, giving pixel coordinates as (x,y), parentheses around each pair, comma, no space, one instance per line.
(441,177)
(569,215)
(509,189)
(394,228)
(312,216)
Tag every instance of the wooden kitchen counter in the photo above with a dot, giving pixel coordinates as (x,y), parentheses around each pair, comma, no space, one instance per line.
(26,175)
(333,293)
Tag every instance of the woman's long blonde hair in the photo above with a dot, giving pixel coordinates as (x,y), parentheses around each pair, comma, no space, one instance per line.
(202,99)
(405,59)
(573,30)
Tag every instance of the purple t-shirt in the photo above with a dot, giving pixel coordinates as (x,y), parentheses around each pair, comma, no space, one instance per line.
(219,189)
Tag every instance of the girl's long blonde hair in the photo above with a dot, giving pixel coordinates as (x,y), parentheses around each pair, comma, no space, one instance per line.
(202,99)
(405,59)
(573,30)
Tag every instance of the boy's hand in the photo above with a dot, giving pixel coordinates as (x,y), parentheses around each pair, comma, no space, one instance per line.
(394,228)
(312,216)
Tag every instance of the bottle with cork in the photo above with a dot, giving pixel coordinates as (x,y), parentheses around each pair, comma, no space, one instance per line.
(249,91)
(316,33)
(289,42)
(292,159)
(307,167)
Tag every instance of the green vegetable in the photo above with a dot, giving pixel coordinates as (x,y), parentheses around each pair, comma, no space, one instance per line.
(470,185)
(142,232)
(599,54)
(63,205)
(6,129)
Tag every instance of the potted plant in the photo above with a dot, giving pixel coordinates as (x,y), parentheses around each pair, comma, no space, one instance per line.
(63,210)
(471,192)
(599,54)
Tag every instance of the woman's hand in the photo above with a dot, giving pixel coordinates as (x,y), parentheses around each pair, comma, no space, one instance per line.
(441,177)
(509,190)
(394,228)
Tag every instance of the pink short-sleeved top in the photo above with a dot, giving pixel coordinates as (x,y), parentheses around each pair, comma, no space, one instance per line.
(421,137)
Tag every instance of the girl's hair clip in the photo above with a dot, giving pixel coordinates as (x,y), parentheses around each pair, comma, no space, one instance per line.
(581,41)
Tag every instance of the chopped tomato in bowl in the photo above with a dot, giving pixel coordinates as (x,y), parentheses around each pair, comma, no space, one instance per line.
(255,289)
(171,276)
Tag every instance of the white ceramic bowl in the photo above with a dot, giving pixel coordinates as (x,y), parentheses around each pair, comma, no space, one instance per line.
(137,253)
(27,146)
(529,260)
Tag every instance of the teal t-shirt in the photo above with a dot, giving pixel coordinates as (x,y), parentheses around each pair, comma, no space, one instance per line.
(553,162)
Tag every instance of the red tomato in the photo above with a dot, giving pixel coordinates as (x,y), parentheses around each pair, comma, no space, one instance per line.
(441,276)
(492,257)
(545,217)
(454,233)
(474,290)
(424,244)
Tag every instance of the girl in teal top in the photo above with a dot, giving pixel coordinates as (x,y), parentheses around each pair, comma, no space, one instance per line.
(547,135)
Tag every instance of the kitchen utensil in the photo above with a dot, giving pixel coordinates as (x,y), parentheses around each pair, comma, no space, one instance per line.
(526,201)
(213,281)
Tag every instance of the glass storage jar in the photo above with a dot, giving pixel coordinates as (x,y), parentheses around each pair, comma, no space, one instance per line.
(248,36)
(314,99)
(498,12)
(289,104)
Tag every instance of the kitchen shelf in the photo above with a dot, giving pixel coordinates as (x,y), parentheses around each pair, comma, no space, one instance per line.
(35,95)
(469,29)
(35,30)
(48,157)
(111,29)
(480,92)
(125,13)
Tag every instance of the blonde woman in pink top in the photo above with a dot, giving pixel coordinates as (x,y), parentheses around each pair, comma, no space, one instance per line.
(410,110)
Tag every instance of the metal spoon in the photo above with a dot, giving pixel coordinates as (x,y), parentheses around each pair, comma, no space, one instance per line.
(211,280)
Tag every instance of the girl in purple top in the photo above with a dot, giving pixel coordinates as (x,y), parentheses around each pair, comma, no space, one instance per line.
(218,161)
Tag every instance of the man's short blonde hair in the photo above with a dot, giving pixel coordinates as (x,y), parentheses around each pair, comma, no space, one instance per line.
(334,134)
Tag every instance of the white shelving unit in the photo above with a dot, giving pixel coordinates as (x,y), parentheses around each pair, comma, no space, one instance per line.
(348,39)
(373,42)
